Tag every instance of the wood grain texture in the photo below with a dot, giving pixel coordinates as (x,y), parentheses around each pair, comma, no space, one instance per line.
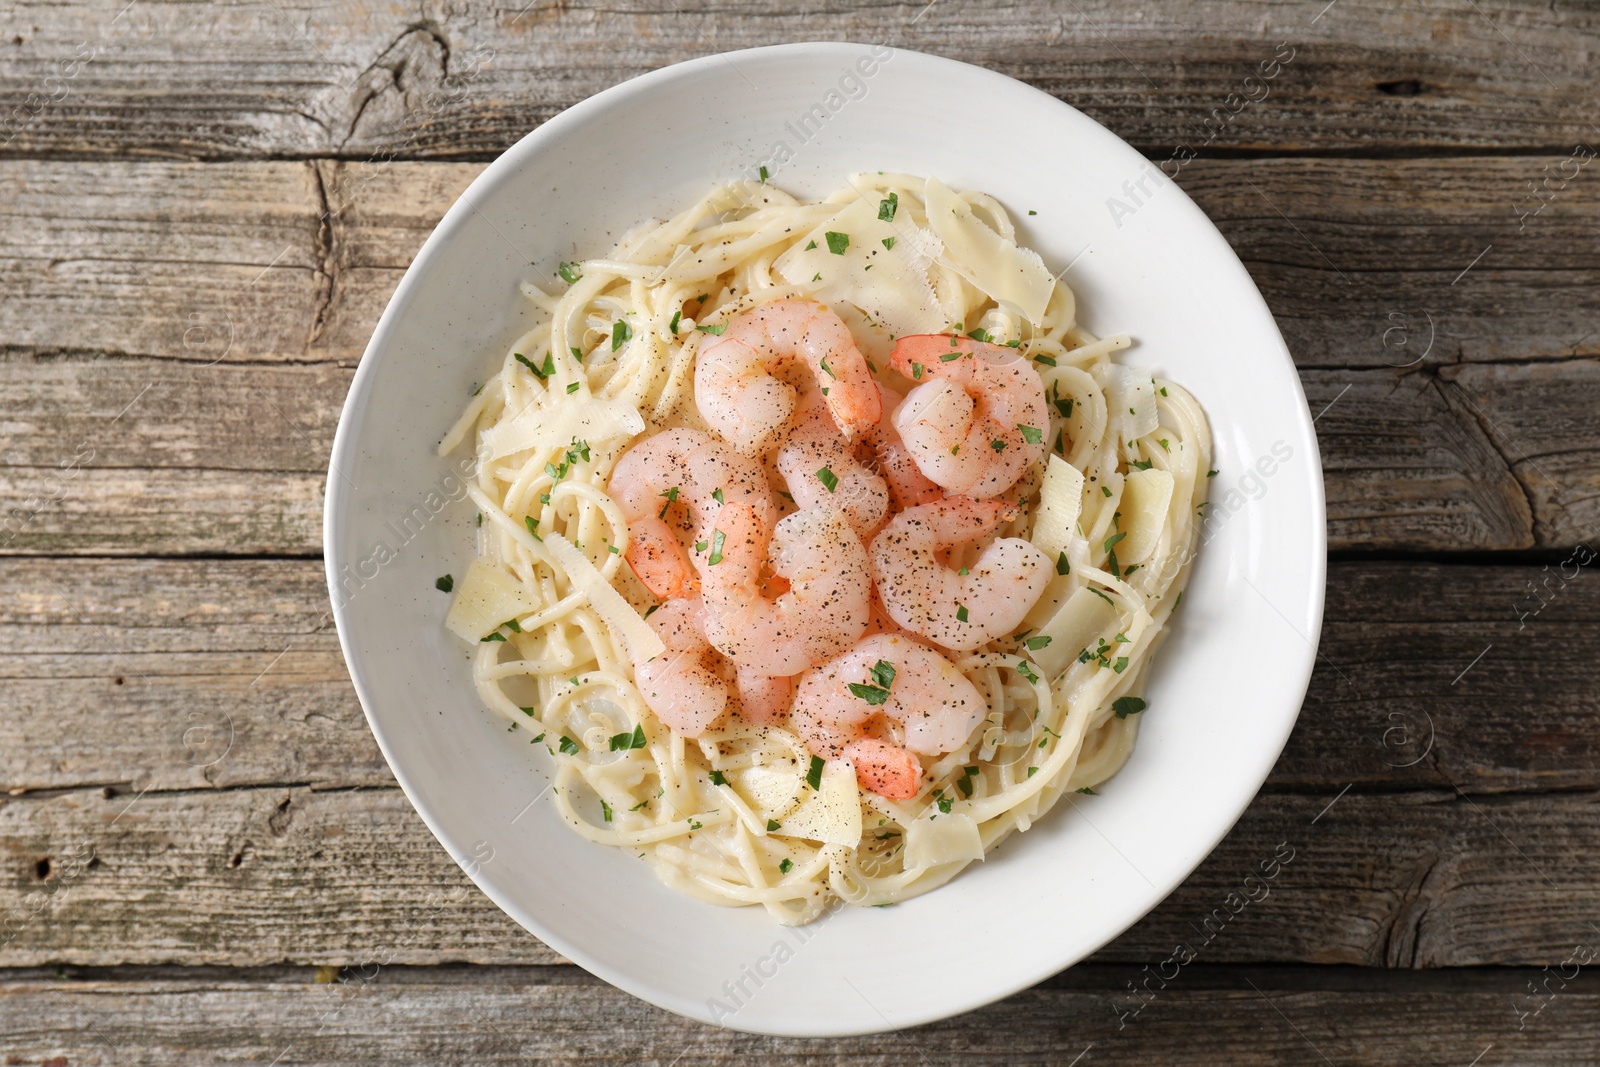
(1255,1017)
(213,335)
(263,876)
(447,80)
(198,674)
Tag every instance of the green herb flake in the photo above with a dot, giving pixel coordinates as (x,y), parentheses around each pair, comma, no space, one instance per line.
(568,745)
(829,479)
(945,804)
(533,526)
(883,673)
(1036,643)
(1121,664)
(888,242)
(677,316)
(718,539)
(1086,791)
(715,330)
(961,613)
(773,826)
(496,636)
(671,496)
(785,865)
(699,547)
(916,371)
(827,369)
(764,175)
(870,693)
(837,242)
(572,387)
(570,272)
(1031,434)
(621,333)
(716,494)
(810,246)
(605,809)
(577,353)
(1048,361)
(1101,595)
(1125,706)
(529,712)
(998,445)
(1062,566)
(445,584)
(888,206)
(980,334)
(1106,489)
(1211,474)
(814,775)
(718,778)
(949,357)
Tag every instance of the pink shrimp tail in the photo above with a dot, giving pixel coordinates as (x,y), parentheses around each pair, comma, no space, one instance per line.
(885,769)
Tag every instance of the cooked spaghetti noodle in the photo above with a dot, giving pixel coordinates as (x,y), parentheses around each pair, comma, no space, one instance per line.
(555,612)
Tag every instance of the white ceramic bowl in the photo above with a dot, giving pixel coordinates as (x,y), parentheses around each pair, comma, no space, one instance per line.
(1228,682)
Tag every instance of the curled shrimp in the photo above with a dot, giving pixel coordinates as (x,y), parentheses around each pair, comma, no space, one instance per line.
(978,420)
(669,483)
(681,685)
(820,467)
(822,613)
(737,383)
(951,608)
(844,709)
(908,486)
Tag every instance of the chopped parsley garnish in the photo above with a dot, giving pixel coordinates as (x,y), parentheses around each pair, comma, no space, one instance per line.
(677,316)
(888,206)
(671,496)
(572,387)
(763,175)
(1121,664)
(888,242)
(773,825)
(699,546)
(883,673)
(1062,566)
(786,865)
(1140,464)
(529,712)
(605,809)
(1036,643)
(814,775)
(1032,771)
(837,242)
(961,613)
(949,356)
(621,333)
(1086,791)
(817,277)
(1163,443)
(998,445)
(577,353)
(716,494)
(570,272)
(445,584)
(1125,706)
(714,331)
(870,693)
(1027,671)
(1065,407)
(829,479)
(1163,390)
(1101,595)
(1211,474)
(718,778)
(945,804)
(539,372)
(980,334)
(1031,434)
(810,246)
(916,371)
(513,625)
(718,539)
(964,783)
(496,636)
(568,745)
(639,805)
(1106,489)
(1111,553)
(695,824)
(624,741)
(1048,361)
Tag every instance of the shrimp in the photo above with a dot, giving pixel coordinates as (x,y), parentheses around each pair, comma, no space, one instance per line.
(978,420)
(825,608)
(920,704)
(908,486)
(957,610)
(681,685)
(821,470)
(735,375)
(667,485)
(763,699)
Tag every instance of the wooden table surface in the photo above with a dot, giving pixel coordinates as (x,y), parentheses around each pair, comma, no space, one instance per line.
(203,209)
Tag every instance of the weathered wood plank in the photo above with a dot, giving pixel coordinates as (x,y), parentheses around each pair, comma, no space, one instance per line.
(1361,260)
(165,662)
(261,876)
(448,80)
(1256,1017)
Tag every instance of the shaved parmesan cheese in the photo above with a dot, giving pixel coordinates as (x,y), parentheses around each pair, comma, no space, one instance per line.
(1060,499)
(1146,496)
(883,270)
(1130,399)
(487,596)
(832,814)
(1084,617)
(1012,275)
(548,427)
(770,792)
(641,641)
(946,839)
